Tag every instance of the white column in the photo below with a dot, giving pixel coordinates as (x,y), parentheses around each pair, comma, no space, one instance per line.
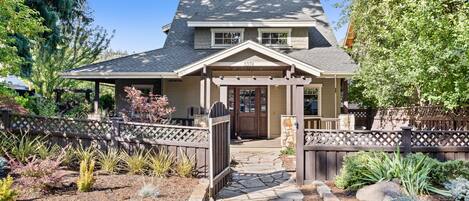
(224,95)
(96,97)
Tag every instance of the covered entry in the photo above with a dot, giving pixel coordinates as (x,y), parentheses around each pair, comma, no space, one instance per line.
(248,111)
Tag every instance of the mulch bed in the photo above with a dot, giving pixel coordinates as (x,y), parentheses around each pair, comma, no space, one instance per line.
(117,187)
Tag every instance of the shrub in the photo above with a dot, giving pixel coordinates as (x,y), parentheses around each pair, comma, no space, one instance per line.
(354,170)
(87,154)
(149,108)
(149,191)
(109,161)
(86,179)
(69,156)
(289,151)
(21,147)
(135,163)
(45,151)
(161,163)
(459,189)
(368,168)
(445,171)
(41,174)
(185,167)
(6,192)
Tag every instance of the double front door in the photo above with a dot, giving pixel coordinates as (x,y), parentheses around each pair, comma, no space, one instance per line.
(248,109)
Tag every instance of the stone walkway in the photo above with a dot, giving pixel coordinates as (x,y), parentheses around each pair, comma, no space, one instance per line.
(259,175)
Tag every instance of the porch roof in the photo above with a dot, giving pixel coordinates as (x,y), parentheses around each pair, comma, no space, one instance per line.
(166,62)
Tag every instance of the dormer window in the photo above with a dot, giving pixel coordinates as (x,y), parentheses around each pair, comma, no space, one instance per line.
(275,37)
(222,38)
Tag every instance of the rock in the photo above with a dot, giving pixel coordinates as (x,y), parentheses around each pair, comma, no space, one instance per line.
(380,191)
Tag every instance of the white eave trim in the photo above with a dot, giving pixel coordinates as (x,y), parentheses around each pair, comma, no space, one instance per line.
(253,46)
(295,23)
(117,75)
(336,75)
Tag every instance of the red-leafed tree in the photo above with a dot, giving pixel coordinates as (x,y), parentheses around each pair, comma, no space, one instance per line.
(149,109)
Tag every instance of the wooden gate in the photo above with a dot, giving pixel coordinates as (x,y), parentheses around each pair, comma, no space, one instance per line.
(219,147)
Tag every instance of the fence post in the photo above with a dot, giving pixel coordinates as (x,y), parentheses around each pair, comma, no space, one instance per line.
(115,131)
(6,119)
(406,139)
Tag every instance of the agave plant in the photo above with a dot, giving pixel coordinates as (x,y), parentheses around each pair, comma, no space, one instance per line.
(136,162)
(109,161)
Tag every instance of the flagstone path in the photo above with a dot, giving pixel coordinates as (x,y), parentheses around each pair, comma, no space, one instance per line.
(259,175)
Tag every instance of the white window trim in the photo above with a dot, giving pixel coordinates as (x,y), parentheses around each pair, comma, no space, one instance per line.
(319,87)
(218,30)
(273,30)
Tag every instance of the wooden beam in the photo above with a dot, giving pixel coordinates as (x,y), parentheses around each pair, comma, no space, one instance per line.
(239,81)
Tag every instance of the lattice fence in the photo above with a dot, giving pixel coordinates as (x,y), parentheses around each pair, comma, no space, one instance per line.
(324,150)
(33,123)
(164,132)
(352,138)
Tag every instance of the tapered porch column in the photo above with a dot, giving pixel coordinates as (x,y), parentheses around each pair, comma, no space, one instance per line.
(224,94)
(205,83)
(96,97)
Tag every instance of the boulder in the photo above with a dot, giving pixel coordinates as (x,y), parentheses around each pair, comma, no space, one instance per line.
(381,191)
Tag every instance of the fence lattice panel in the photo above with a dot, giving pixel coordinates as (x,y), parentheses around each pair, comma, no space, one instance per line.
(164,132)
(352,138)
(440,138)
(59,125)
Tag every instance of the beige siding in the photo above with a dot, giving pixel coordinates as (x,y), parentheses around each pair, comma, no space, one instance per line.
(277,108)
(203,37)
(183,94)
(328,108)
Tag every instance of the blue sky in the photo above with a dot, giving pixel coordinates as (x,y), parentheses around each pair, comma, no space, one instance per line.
(138,23)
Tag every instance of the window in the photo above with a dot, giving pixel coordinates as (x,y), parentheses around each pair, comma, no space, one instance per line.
(312,100)
(227,37)
(144,88)
(275,37)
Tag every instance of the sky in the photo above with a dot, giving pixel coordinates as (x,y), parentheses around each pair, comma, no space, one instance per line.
(137,23)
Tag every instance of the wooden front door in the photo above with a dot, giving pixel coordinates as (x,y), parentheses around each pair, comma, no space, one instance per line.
(248,109)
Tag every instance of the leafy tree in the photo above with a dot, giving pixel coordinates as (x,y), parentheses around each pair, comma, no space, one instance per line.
(16,19)
(411,52)
(80,44)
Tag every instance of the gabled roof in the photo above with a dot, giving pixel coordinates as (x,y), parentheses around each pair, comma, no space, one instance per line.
(178,51)
(252,46)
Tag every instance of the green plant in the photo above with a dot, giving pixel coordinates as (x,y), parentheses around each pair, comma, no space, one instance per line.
(86,179)
(69,156)
(442,172)
(21,147)
(289,151)
(6,192)
(185,167)
(365,168)
(45,151)
(109,161)
(161,163)
(85,154)
(354,170)
(136,162)
(149,191)
(459,189)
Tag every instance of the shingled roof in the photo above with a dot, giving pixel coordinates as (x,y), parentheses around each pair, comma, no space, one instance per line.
(178,50)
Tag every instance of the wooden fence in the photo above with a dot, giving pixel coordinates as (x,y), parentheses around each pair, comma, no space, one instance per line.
(219,124)
(209,146)
(322,151)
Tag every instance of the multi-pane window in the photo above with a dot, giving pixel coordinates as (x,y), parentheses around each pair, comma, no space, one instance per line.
(226,37)
(275,37)
(312,101)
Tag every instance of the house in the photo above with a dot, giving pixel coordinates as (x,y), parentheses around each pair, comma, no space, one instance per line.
(249,54)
